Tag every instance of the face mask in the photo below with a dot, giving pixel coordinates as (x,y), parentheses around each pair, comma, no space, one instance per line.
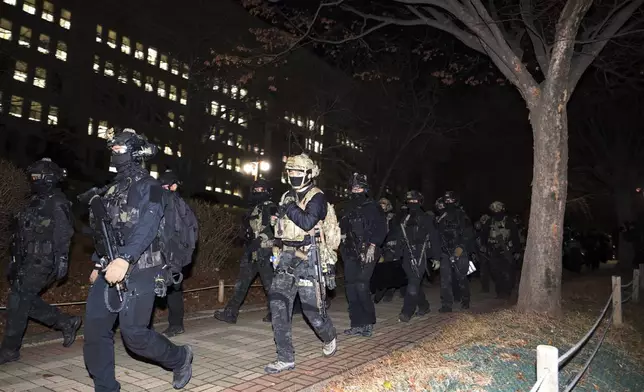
(258,197)
(358,195)
(41,187)
(121,161)
(296,182)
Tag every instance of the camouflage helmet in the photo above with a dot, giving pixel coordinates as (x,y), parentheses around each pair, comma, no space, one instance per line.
(358,180)
(137,145)
(414,195)
(303,163)
(385,204)
(497,206)
(484,218)
(46,171)
(169,178)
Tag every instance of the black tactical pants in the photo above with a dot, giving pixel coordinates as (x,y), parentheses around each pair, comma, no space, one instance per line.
(502,269)
(414,294)
(25,303)
(98,349)
(356,279)
(248,270)
(175,305)
(293,276)
(484,268)
(454,273)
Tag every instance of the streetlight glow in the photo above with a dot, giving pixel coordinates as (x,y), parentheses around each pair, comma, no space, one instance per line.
(264,166)
(249,168)
(253,168)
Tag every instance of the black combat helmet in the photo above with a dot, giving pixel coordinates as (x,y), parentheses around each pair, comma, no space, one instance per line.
(46,171)
(169,178)
(414,196)
(136,145)
(358,180)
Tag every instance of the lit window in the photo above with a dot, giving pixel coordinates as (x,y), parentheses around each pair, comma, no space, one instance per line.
(220,159)
(90,127)
(109,69)
(208,188)
(25,37)
(182,121)
(258,105)
(10,2)
(317,146)
(48,11)
(173,93)
(243,92)
(184,97)
(171,119)
(152,56)
(179,151)
(16,106)
(218,189)
(229,164)
(231,139)
(20,73)
(65,19)
(237,192)
(299,122)
(321,130)
(99,33)
(149,81)
(186,71)
(5,29)
(222,112)
(61,51)
(97,63)
(167,150)
(111,39)
(113,169)
(224,89)
(102,129)
(233,91)
(161,89)
(125,45)
(52,117)
(29,6)
(240,142)
(175,67)
(136,78)
(35,114)
(214,107)
(43,44)
(123,74)
(242,121)
(154,170)
(40,77)
(163,63)
(138,53)
(238,165)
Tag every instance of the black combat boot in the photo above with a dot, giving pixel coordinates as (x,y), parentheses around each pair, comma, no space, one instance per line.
(7,355)
(70,329)
(183,373)
(226,316)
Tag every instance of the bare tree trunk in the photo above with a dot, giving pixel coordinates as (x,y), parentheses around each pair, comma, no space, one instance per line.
(540,289)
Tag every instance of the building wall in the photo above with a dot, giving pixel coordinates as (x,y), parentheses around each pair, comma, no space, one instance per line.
(89,66)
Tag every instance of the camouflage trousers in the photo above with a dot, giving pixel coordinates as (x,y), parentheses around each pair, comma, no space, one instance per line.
(25,303)
(454,274)
(248,270)
(294,276)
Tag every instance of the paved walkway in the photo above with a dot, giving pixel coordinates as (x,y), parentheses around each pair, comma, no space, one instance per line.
(232,357)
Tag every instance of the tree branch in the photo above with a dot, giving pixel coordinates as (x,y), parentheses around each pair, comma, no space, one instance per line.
(538,41)
(582,61)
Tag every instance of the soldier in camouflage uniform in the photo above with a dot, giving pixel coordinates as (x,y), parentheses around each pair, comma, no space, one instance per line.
(135,207)
(302,210)
(40,258)
(500,238)
(257,231)
(483,259)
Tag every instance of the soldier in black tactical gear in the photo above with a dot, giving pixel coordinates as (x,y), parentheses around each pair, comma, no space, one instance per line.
(483,259)
(171,183)
(304,263)
(419,242)
(40,258)
(388,274)
(135,205)
(500,239)
(457,243)
(257,232)
(364,228)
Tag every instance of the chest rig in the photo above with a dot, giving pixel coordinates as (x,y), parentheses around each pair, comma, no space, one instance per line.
(36,227)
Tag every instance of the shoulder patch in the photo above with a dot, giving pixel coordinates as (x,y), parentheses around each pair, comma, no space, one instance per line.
(156,193)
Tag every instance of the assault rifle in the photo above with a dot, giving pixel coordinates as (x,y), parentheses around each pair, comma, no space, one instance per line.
(106,239)
(316,262)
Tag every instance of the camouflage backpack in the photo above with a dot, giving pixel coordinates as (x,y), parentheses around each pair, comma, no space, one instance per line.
(499,234)
(329,228)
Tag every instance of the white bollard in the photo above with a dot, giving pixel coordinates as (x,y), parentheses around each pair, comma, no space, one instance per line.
(548,367)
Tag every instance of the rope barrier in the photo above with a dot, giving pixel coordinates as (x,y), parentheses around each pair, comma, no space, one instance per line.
(574,382)
(539,382)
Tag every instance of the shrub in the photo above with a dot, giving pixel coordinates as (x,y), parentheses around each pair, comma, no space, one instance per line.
(217,230)
(13,193)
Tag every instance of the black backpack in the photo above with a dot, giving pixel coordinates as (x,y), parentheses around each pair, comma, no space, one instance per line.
(178,234)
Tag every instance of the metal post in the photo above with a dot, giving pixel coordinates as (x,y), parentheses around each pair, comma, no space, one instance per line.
(641,275)
(617,301)
(548,367)
(636,285)
(220,297)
